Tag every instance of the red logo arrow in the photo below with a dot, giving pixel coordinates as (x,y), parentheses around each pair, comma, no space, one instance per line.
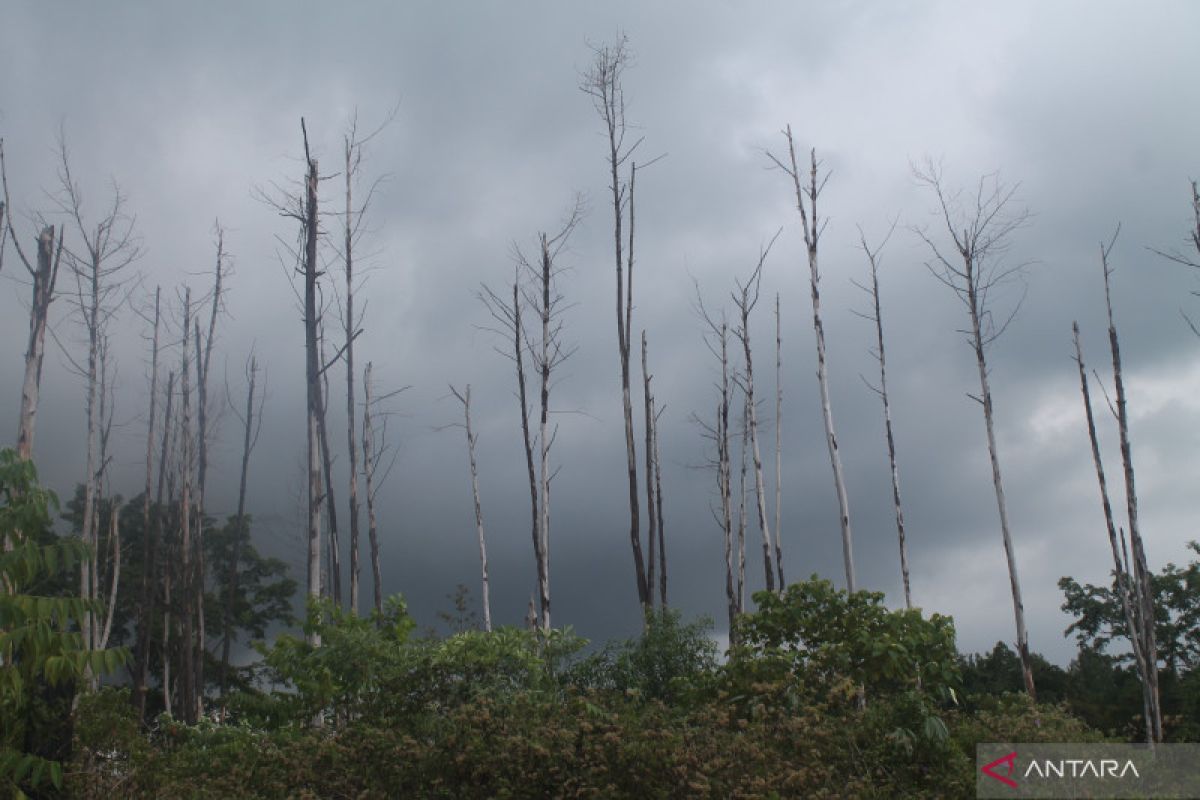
(1006,778)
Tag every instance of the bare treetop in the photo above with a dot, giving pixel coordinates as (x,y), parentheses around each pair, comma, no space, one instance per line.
(980,225)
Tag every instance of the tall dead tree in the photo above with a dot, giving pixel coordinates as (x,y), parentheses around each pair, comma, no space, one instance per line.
(146,593)
(779,446)
(716,339)
(813,227)
(188,690)
(535,287)
(374,450)
(1142,577)
(204,348)
(330,500)
(251,425)
(654,503)
(310,270)
(602,82)
(875,316)
(746,298)
(1126,589)
(44,277)
(150,567)
(106,248)
(465,398)
(651,519)
(979,235)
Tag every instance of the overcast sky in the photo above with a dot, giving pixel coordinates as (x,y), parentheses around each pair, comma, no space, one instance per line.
(191,108)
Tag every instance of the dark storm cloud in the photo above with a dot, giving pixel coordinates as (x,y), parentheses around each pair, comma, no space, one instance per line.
(192,108)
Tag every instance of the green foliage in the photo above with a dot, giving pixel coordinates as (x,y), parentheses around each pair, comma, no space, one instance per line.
(1100,617)
(669,662)
(1104,685)
(823,637)
(41,659)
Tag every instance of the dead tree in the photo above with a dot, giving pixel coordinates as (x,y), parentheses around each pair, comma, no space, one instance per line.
(352,230)
(44,277)
(204,347)
(153,544)
(106,248)
(147,590)
(979,235)
(535,287)
(1142,577)
(603,84)
(375,449)
(251,425)
(745,298)
(779,446)
(875,316)
(465,398)
(309,269)
(651,519)
(716,339)
(812,227)
(654,503)
(188,691)
(330,499)
(1124,582)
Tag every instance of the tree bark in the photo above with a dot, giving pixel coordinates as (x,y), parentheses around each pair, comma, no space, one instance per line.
(603,84)
(147,590)
(312,378)
(652,521)
(187,688)
(44,278)
(241,533)
(1141,573)
(370,461)
(876,316)
(779,446)
(980,237)
(465,399)
(812,234)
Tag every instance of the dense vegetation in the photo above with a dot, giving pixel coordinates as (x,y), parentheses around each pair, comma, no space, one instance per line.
(822,694)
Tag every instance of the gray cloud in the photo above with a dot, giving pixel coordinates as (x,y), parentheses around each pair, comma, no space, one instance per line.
(191,109)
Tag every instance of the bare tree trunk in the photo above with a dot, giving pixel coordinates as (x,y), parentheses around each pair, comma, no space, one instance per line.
(187,687)
(153,538)
(114,537)
(812,233)
(353,154)
(1141,573)
(658,508)
(44,277)
(977,242)
(544,364)
(875,315)
(717,341)
(370,462)
(241,534)
(779,446)
(1122,577)
(518,355)
(108,247)
(746,298)
(143,617)
(312,377)
(335,545)
(651,520)
(603,84)
(204,346)
(743,519)
(465,399)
